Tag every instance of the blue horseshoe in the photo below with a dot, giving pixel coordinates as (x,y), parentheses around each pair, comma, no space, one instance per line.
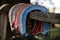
(46,30)
(25,13)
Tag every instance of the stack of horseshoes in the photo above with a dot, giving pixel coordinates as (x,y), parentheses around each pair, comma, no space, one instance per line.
(18,16)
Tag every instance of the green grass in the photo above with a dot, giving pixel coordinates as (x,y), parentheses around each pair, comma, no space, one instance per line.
(53,34)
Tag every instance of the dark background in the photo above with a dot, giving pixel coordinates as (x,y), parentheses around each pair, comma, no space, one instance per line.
(12,2)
